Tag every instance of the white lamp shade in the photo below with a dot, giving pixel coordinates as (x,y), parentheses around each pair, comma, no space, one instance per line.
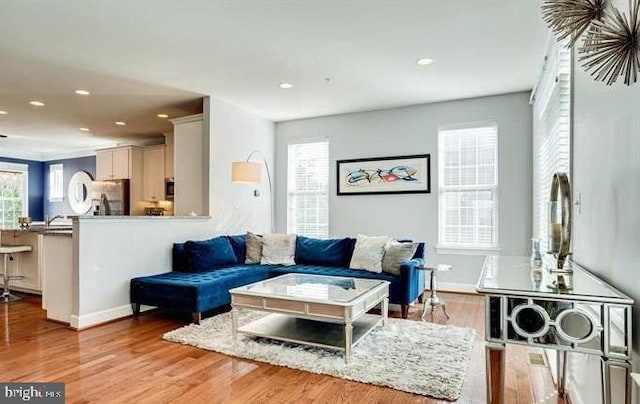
(246,172)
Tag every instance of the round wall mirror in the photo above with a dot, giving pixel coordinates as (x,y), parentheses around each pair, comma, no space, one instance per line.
(560,217)
(78,192)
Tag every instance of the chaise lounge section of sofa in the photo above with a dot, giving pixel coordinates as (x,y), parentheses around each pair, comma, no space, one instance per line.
(198,284)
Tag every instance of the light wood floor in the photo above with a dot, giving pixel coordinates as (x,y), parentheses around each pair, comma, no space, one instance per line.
(127,361)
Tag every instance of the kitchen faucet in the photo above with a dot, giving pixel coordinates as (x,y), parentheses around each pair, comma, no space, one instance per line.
(49,220)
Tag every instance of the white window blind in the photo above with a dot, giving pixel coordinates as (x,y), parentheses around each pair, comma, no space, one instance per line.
(56,187)
(14,189)
(308,189)
(468,186)
(551,133)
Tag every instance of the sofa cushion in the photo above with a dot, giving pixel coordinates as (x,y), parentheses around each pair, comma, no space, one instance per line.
(239,245)
(253,245)
(368,253)
(331,252)
(180,261)
(194,292)
(278,249)
(396,254)
(209,254)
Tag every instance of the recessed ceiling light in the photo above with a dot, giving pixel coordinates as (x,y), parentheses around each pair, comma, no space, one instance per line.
(163,116)
(37,103)
(3,112)
(286,86)
(120,123)
(82,92)
(424,61)
(84,129)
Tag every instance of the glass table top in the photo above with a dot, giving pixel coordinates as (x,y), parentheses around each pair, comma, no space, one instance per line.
(318,288)
(512,275)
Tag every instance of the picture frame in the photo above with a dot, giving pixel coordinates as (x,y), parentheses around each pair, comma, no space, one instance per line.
(409,174)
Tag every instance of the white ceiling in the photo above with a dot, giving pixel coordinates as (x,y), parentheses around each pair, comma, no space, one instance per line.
(140,58)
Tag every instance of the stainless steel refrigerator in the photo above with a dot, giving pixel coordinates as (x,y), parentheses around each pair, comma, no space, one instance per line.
(110,198)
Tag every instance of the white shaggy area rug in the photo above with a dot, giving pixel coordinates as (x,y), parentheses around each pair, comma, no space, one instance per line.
(411,356)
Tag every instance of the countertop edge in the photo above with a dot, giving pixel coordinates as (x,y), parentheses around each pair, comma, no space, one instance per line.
(98,218)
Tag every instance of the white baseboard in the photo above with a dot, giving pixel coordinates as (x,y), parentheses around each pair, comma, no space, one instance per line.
(104,316)
(99,317)
(456,287)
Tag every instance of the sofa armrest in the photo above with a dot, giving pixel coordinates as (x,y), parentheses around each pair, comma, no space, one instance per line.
(411,280)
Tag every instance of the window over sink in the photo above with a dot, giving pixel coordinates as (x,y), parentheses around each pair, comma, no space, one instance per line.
(14,190)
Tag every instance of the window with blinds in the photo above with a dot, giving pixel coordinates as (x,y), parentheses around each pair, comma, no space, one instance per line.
(551,133)
(308,189)
(14,189)
(468,186)
(56,191)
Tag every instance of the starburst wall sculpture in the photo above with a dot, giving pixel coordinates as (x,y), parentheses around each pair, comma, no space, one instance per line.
(571,18)
(611,39)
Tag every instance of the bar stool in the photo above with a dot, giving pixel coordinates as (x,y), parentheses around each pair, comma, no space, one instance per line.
(434,300)
(7,251)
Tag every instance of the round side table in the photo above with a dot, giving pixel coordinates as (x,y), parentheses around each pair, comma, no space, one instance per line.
(433,300)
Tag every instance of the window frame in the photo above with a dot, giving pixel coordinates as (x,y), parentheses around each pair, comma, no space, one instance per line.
(553,93)
(24,170)
(325,193)
(468,249)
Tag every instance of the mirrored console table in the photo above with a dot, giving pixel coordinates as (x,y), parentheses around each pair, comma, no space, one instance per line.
(589,316)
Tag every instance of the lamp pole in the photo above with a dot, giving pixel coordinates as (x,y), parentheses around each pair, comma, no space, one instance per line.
(266,166)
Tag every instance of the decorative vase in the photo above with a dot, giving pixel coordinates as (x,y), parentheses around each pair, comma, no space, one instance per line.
(536,256)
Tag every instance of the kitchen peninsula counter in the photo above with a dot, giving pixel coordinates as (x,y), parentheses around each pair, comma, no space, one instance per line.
(111,250)
(54,230)
(186,217)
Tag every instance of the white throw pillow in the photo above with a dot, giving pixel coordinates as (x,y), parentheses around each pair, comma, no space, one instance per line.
(278,249)
(368,253)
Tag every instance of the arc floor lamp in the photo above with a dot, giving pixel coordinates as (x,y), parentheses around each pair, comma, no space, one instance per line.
(250,172)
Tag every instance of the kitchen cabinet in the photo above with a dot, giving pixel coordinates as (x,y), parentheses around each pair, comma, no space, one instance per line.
(113,164)
(154,172)
(123,163)
(26,264)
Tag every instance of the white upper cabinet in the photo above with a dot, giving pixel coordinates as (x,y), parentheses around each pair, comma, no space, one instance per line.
(113,164)
(154,173)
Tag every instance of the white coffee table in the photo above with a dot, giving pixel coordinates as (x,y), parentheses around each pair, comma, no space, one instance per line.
(324,311)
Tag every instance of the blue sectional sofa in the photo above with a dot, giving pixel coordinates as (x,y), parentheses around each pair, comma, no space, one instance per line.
(198,284)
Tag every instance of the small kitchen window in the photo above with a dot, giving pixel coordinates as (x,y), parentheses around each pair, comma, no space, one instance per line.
(56,183)
(14,192)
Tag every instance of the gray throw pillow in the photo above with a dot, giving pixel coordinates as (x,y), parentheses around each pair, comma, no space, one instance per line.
(278,249)
(396,254)
(254,248)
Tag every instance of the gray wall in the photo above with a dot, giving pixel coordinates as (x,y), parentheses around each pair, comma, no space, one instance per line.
(414,130)
(234,133)
(606,171)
